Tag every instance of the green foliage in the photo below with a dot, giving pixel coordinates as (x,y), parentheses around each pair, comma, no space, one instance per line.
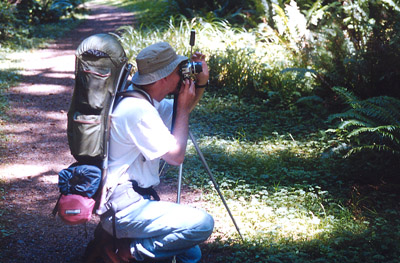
(6,16)
(7,79)
(241,62)
(238,71)
(46,11)
(236,12)
(26,23)
(276,166)
(289,199)
(377,245)
(370,124)
(352,44)
(5,230)
(279,170)
(8,23)
(355,45)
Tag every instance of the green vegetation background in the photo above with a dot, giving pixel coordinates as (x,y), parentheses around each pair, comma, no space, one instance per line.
(300,125)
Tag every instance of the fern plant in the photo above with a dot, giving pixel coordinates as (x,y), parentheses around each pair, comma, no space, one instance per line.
(370,124)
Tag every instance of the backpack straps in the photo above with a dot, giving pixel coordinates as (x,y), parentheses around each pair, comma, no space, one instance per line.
(134,92)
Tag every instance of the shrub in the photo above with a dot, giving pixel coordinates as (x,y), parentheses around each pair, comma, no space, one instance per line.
(46,11)
(8,23)
(236,12)
(244,63)
(370,124)
(356,46)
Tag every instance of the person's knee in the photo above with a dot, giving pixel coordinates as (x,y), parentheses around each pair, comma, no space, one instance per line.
(205,225)
(208,223)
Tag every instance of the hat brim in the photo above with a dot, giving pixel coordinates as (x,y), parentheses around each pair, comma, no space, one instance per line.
(152,77)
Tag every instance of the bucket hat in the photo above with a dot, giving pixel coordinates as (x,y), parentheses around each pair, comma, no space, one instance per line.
(155,62)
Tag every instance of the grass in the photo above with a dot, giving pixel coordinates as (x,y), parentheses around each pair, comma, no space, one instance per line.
(292,202)
(293,196)
(4,229)
(8,78)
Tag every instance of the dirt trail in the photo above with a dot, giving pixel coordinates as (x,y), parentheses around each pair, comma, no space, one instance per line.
(39,104)
(38,149)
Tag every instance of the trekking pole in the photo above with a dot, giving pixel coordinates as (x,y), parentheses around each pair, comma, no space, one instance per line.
(203,160)
(178,197)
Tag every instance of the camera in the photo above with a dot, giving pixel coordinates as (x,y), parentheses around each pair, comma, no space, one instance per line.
(189,69)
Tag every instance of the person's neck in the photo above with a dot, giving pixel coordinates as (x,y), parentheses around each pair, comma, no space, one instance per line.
(156,92)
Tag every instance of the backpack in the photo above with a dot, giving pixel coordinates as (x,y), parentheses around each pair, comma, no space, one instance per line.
(101,70)
(78,185)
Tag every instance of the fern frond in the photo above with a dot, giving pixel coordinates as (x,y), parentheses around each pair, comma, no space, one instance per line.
(383,132)
(360,130)
(369,113)
(310,99)
(389,131)
(375,147)
(351,114)
(348,96)
(389,106)
(386,100)
(282,15)
(350,123)
(379,113)
(377,119)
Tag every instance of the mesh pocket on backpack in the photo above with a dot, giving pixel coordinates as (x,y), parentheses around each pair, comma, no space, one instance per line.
(87,134)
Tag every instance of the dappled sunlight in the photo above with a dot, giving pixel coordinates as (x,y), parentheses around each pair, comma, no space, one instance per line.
(55,119)
(42,89)
(287,214)
(262,150)
(49,73)
(16,171)
(262,125)
(59,117)
(250,174)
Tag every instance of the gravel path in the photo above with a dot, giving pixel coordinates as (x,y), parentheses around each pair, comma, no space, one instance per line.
(37,150)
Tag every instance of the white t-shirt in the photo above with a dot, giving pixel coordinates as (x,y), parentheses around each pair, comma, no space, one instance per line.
(139,136)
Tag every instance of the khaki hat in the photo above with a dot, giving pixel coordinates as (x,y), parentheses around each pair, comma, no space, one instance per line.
(155,62)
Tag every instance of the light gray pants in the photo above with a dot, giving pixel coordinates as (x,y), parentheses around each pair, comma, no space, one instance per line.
(162,229)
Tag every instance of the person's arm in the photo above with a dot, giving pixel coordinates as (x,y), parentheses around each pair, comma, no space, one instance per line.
(201,78)
(186,100)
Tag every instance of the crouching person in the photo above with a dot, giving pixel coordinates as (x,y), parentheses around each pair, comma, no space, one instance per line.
(147,229)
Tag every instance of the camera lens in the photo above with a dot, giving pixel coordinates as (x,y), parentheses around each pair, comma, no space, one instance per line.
(190,68)
(197,67)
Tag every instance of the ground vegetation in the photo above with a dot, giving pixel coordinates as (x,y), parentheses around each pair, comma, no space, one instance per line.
(299,126)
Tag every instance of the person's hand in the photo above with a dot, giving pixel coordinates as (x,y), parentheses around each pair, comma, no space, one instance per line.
(187,96)
(202,77)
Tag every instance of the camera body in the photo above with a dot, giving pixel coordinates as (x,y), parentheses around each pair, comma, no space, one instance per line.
(189,69)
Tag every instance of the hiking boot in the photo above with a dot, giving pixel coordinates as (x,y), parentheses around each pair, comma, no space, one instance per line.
(102,250)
